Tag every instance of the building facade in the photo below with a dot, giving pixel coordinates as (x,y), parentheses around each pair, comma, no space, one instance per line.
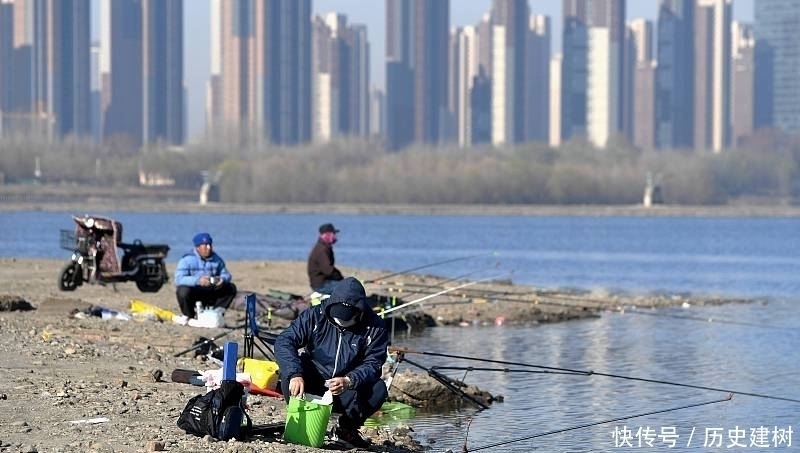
(778,63)
(262,90)
(510,29)
(417,37)
(49,57)
(712,78)
(142,72)
(675,75)
(640,96)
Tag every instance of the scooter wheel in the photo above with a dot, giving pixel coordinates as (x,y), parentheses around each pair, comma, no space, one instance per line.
(70,277)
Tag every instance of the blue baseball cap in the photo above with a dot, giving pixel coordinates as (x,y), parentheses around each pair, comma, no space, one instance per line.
(201,238)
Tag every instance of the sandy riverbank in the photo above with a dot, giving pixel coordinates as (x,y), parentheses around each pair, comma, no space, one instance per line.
(56,368)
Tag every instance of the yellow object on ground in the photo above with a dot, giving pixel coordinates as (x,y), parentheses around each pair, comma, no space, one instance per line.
(140,307)
(263,373)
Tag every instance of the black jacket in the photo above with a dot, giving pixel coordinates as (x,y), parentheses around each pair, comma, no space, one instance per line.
(321,265)
(357,352)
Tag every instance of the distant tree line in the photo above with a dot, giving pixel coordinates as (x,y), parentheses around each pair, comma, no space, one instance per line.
(766,169)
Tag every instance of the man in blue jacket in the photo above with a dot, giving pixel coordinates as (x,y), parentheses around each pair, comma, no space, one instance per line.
(344,347)
(201,275)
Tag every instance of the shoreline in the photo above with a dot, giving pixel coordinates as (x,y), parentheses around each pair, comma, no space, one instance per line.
(122,204)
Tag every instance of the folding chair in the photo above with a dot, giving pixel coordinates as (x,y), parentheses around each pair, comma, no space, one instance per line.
(252,332)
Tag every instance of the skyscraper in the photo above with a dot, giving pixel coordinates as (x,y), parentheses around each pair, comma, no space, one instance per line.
(6,61)
(340,78)
(465,55)
(639,110)
(712,109)
(742,82)
(264,62)
(537,85)
(142,71)
(778,63)
(675,75)
(51,67)
(417,36)
(510,29)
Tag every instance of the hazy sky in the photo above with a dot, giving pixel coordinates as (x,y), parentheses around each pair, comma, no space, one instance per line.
(372,14)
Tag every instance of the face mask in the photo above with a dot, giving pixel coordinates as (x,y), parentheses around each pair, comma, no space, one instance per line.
(343,323)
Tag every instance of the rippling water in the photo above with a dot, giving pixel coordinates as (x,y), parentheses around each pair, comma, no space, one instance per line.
(740,256)
(743,358)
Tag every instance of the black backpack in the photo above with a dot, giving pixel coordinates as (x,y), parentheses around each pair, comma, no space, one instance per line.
(219,413)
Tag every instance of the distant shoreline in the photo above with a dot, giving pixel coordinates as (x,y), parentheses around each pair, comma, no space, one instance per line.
(138,205)
(90,199)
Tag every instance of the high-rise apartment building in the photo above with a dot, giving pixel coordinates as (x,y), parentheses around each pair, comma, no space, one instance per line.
(554,134)
(142,71)
(6,61)
(712,79)
(675,75)
(537,79)
(464,54)
(640,85)
(742,82)
(340,80)
(417,36)
(778,63)
(50,61)
(593,66)
(510,29)
(263,89)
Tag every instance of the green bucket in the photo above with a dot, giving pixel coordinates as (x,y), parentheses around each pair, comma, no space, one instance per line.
(306,422)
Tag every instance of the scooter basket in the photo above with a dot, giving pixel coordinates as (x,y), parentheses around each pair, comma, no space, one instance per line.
(69,241)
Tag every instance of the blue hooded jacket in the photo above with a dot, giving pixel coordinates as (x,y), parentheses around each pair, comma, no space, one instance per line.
(357,352)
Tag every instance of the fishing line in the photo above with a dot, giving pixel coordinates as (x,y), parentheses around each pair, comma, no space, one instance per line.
(596,373)
(563,301)
(449,383)
(444,291)
(438,263)
(602,422)
(467,369)
(709,320)
(459,277)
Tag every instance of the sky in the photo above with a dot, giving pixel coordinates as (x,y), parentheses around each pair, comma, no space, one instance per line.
(372,14)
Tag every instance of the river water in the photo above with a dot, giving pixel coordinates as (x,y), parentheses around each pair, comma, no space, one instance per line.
(748,349)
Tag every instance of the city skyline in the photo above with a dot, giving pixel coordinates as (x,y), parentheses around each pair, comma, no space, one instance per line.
(372,14)
(600,128)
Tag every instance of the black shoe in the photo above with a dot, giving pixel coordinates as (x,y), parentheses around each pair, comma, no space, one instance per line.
(350,436)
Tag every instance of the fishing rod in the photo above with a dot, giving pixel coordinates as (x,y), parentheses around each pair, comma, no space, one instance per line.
(602,422)
(438,263)
(597,373)
(209,341)
(561,301)
(449,383)
(439,293)
(449,280)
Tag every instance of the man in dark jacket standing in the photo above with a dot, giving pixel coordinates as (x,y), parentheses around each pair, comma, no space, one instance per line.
(345,346)
(322,272)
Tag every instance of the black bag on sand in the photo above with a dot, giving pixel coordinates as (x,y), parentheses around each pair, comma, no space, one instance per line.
(219,413)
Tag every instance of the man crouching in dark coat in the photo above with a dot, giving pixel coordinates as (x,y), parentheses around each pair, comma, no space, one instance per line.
(344,346)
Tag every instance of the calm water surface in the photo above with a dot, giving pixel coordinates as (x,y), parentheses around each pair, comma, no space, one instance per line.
(752,257)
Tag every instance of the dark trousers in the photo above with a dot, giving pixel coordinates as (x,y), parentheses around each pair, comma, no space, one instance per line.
(210,296)
(354,405)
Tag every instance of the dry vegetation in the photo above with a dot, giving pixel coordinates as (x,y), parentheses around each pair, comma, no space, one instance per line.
(765,170)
